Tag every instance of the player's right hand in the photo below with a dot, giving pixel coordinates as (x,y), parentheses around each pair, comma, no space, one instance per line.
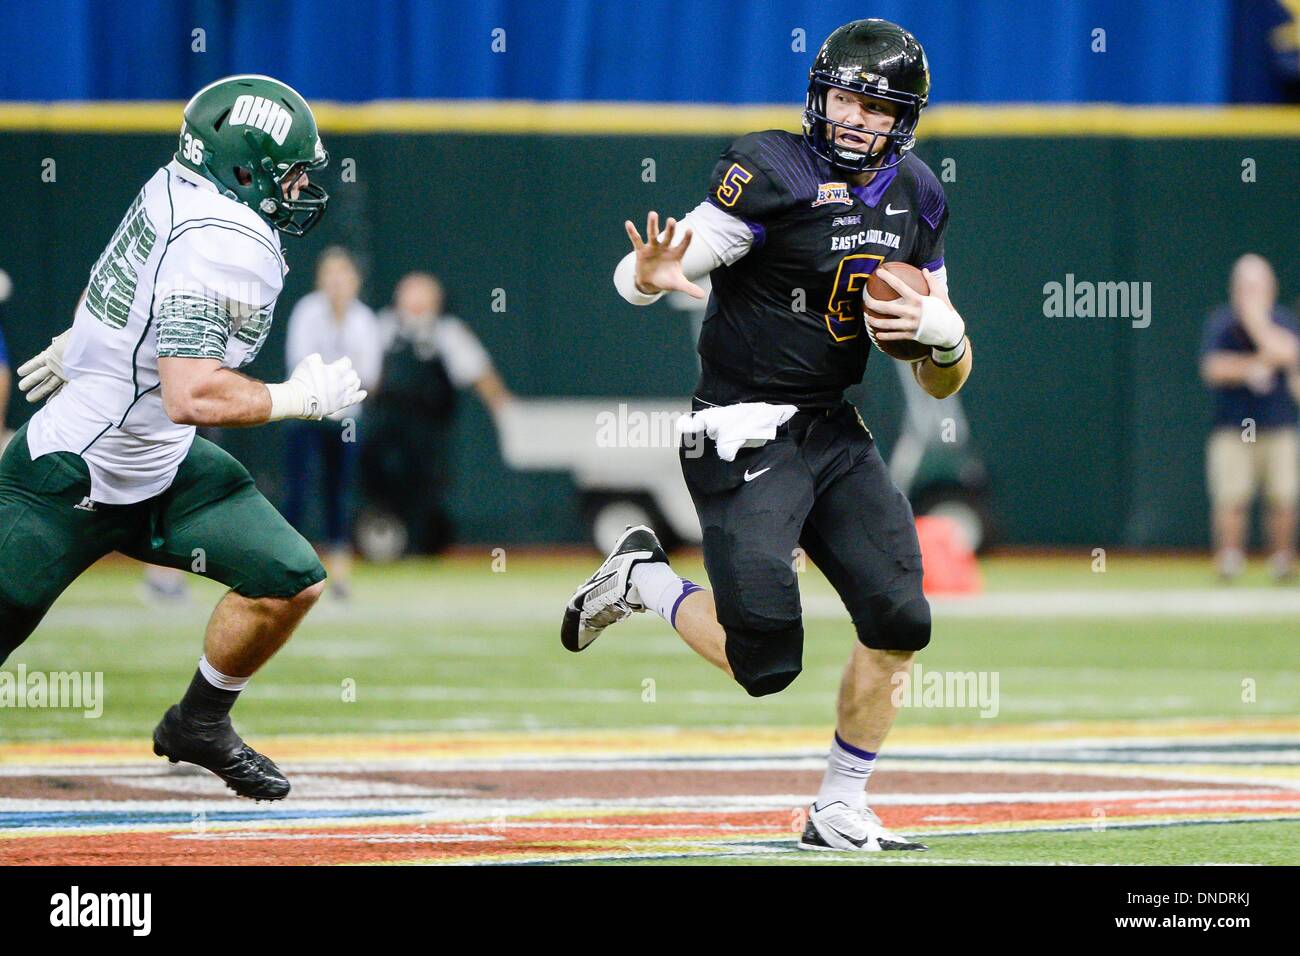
(316,389)
(42,375)
(658,261)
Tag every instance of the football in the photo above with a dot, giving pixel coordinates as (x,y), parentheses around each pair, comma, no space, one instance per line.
(905,350)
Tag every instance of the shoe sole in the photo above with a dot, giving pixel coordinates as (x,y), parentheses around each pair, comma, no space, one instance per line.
(829,849)
(902,848)
(570,627)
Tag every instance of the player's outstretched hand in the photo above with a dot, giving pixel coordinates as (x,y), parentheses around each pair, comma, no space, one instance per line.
(658,261)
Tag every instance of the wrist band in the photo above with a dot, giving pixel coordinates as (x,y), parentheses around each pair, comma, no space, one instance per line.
(945,358)
(286,402)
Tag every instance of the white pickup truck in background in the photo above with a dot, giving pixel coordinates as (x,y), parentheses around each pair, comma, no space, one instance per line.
(622,455)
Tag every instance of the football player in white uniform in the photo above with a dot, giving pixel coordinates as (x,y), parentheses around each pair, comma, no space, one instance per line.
(181,297)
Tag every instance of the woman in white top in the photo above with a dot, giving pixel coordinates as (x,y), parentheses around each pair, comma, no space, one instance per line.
(335,323)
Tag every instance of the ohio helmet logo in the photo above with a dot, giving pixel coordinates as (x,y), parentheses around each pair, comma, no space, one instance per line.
(267,115)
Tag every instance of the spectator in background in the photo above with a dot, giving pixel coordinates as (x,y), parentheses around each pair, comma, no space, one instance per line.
(335,323)
(428,357)
(1250,359)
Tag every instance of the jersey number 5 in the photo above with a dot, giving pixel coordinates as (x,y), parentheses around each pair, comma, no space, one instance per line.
(733,184)
(845,306)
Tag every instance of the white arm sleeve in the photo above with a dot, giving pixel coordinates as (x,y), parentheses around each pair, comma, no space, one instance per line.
(939,280)
(718,238)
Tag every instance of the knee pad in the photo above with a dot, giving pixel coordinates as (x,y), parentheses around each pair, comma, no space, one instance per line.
(282,575)
(765,662)
(903,627)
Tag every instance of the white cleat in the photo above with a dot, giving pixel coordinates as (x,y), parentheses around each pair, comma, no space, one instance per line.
(608,596)
(837,826)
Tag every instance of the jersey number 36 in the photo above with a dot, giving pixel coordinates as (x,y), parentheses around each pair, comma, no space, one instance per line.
(192,149)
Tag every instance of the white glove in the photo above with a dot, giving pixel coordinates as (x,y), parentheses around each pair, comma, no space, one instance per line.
(733,427)
(941,327)
(42,374)
(315,389)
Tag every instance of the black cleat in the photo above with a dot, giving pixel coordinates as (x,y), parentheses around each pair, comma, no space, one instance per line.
(219,749)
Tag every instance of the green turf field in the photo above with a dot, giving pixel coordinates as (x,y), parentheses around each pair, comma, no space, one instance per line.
(1260,844)
(451,645)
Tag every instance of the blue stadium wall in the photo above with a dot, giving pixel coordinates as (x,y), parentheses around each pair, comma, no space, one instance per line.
(748,51)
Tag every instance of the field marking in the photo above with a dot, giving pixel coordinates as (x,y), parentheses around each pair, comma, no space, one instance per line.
(470,809)
(1103,603)
(1099,603)
(338,816)
(1046,741)
(930,857)
(1061,763)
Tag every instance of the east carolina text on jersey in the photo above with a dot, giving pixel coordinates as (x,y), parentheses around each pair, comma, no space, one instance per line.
(865,237)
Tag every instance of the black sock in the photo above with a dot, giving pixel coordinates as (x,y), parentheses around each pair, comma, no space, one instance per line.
(206,704)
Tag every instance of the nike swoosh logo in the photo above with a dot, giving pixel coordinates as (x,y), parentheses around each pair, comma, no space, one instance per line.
(749,477)
(891,211)
(839,832)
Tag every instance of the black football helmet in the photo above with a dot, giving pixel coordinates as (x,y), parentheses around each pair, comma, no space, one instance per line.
(877,58)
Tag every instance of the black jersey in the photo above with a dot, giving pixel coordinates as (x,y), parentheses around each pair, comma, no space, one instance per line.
(785,322)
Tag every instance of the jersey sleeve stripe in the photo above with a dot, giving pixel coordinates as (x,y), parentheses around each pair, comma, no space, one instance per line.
(192,326)
(930,200)
(795,180)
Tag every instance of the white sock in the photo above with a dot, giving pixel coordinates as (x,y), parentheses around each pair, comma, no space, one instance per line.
(661,589)
(218,679)
(1230,562)
(847,771)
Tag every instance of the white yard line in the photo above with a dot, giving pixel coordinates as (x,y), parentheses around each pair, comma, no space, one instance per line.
(446,611)
(444,807)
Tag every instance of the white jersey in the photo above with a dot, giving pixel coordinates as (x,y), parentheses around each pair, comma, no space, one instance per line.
(188,273)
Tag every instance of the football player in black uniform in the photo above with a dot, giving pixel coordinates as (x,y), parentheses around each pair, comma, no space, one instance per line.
(791,229)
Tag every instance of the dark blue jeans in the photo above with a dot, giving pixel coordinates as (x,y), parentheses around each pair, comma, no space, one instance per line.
(319,458)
